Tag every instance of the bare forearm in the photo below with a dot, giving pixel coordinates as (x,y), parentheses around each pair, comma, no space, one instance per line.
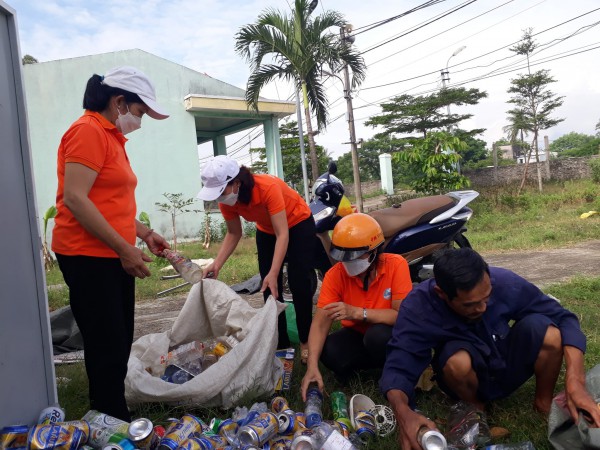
(319,330)
(384,316)
(230,242)
(575,371)
(281,245)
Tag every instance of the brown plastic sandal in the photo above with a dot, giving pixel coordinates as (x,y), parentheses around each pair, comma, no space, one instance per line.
(304,356)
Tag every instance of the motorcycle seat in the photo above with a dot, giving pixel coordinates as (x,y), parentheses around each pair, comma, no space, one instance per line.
(411,212)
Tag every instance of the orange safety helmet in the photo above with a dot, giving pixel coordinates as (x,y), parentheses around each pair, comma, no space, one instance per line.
(355,235)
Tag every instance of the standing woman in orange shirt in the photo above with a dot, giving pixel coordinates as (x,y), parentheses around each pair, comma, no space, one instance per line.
(285,227)
(95,228)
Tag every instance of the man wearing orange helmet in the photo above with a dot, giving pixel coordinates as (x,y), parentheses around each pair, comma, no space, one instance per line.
(363,291)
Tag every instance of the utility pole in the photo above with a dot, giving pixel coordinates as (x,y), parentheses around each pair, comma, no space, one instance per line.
(353,148)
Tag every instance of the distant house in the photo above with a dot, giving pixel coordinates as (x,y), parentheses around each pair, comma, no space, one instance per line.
(164,153)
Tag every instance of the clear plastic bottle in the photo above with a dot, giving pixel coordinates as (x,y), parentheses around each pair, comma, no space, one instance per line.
(326,437)
(313,406)
(467,427)
(520,446)
(181,376)
(189,270)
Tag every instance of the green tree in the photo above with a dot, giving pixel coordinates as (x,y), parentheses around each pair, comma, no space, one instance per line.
(570,142)
(407,114)
(298,49)
(290,155)
(28,59)
(516,131)
(475,149)
(598,129)
(433,164)
(534,102)
(175,206)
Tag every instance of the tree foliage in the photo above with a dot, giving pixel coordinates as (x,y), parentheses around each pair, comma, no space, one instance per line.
(407,114)
(28,59)
(571,142)
(298,49)
(290,154)
(534,102)
(432,160)
(176,205)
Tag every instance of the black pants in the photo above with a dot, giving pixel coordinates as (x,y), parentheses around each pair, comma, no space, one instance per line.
(102,297)
(299,257)
(347,350)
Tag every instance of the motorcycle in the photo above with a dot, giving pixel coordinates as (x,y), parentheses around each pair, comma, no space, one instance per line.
(416,228)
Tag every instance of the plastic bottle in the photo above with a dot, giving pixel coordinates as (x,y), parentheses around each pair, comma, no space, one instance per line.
(189,270)
(467,427)
(224,344)
(180,377)
(326,437)
(255,410)
(313,406)
(189,357)
(520,446)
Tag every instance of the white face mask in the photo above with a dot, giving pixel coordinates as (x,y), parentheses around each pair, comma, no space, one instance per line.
(229,199)
(358,266)
(126,123)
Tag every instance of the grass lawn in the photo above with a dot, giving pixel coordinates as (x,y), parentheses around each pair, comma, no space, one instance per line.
(501,222)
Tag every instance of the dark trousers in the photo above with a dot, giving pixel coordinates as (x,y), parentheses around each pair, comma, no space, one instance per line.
(346,351)
(102,297)
(299,257)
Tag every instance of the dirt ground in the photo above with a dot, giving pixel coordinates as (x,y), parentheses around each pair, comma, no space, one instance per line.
(542,268)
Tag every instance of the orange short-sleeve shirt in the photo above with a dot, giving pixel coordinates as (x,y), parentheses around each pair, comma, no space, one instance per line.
(392,282)
(96,143)
(270,196)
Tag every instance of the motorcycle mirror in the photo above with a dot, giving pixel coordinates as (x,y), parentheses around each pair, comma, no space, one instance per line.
(332,168)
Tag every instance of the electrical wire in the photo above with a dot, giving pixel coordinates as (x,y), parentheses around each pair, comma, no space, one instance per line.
(458,8)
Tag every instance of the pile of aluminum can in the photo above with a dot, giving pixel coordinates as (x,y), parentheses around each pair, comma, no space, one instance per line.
(275,426)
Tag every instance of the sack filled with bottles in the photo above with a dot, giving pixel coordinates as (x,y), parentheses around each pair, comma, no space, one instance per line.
(218,350)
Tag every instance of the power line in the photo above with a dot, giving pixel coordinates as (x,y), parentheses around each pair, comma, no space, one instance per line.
(480,56)
(422,26)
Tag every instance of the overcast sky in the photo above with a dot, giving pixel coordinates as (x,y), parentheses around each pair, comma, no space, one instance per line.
(200,35)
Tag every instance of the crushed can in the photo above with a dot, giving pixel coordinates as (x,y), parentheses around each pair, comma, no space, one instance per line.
(14,437)
(183,429)
(43,437)
(141,434)
(51,415)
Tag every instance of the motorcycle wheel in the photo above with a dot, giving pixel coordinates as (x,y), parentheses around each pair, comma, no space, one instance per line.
(287,294)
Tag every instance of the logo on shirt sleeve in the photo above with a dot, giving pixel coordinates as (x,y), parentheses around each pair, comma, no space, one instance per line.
(387,294)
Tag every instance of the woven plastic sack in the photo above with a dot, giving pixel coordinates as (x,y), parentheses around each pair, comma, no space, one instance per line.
(563,433)
(212,309)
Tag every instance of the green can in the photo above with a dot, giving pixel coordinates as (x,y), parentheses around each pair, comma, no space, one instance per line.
(339,407)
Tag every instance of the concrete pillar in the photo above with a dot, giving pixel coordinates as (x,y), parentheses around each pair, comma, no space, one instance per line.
(273,147)
(385,167)
(219,146)
(547,148)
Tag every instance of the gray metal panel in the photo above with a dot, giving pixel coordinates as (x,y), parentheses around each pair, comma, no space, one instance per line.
(27,381)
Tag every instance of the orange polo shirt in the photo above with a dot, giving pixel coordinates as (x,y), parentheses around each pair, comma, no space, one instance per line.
(270,196)
(96,143)
(392,282)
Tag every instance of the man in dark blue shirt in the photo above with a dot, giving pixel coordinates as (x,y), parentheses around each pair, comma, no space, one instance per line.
(460,322)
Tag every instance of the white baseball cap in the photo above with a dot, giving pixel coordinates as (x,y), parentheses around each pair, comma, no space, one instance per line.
(215,175)
(133,80)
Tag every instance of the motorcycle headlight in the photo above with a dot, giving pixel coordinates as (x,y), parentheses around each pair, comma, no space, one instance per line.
(324,213)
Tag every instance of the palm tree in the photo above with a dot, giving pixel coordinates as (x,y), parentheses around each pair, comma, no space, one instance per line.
(517,129)
(300,50)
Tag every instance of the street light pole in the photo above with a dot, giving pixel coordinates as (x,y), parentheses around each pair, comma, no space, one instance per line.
(353,147)
(445,73)
(445,78)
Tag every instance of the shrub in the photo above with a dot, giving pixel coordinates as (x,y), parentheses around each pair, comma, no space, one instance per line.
(595,166)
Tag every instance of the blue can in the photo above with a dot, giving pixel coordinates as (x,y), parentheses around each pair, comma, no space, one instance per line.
(14,437)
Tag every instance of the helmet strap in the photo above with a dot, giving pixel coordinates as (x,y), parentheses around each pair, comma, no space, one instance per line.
(369,270)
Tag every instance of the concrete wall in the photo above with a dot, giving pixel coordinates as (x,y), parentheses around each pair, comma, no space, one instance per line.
(561,169)
(163,154)
(367,187)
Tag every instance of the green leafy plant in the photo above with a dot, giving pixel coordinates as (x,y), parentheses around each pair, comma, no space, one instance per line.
(433,160)
(175,206)
(595,167)
(48,258)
